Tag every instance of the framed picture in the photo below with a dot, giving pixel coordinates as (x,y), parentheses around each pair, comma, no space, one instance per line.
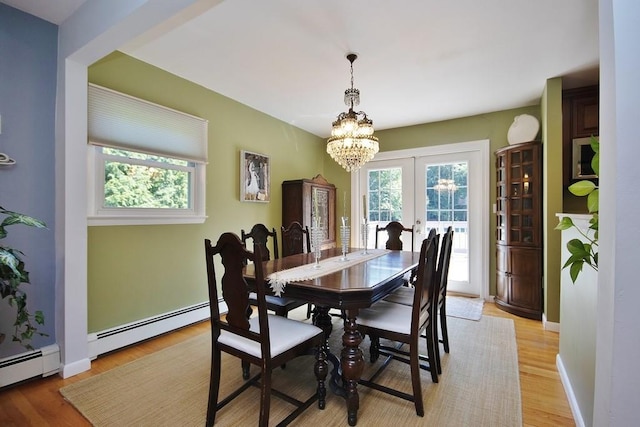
(581,159)
(255,177)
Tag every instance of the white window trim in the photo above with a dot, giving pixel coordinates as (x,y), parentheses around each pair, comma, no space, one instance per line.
(99,216)
(122,121)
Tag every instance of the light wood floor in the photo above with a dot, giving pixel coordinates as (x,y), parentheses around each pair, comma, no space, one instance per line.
(544,403)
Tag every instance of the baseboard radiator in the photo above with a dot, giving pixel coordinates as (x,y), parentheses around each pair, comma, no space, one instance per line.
(112,339)
(45,361)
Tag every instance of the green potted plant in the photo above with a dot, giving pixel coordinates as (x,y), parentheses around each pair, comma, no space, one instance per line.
(12,276)
(584,251)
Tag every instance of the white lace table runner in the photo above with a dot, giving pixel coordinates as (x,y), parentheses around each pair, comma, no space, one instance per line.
(279,279)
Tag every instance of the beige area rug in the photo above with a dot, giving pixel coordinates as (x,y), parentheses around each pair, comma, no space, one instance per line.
(464,307)
(479,387)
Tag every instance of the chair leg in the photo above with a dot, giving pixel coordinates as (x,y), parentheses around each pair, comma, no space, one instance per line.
(214,387)
(436,346)
(309,310)
(245,370)
(374,348)
(321,369)
(431,353)
(415,378)
(265,397)
(443,326)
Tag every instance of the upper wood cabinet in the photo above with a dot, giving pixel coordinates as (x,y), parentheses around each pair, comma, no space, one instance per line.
(580,119)
(304,199)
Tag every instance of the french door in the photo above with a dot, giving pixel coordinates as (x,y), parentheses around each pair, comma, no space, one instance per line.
(434,187)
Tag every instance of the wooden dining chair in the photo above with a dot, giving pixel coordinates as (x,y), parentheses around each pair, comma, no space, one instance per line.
(405,324)
(394,230)
(296,240)
(442,274)
(267,341)
(404,296)
(260,235)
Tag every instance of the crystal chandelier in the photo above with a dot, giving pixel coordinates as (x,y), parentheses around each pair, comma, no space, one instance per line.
(352,143)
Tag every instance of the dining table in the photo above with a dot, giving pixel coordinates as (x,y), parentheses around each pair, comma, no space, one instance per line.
(332,282)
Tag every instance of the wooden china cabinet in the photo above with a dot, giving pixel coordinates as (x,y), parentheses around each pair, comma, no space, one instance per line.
(519,229)
(304,199)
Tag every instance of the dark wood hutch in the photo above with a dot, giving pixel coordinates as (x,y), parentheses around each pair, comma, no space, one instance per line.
(305,199)
(519,269)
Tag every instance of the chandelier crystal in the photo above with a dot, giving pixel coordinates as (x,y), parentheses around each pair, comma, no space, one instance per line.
(352,143)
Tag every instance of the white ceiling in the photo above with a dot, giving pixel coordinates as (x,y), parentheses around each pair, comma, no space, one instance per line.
(419,60)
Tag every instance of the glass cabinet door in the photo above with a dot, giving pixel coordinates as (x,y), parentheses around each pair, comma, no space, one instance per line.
(523,203)
(320,210)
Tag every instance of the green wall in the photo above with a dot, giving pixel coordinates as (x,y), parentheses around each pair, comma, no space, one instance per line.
(551,107)
(140,271)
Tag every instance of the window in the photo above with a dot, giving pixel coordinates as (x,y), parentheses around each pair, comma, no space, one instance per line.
(385,195)
(147,162)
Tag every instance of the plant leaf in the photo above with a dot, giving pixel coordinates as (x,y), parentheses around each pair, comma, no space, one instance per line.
(7,258)
(576,268)
(18,218)
(593,200)
(595,164)
(582,188)
(595,161)
(564,224)
(576,247)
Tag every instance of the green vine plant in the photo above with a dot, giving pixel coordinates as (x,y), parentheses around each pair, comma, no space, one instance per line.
(584,251)
(13,276)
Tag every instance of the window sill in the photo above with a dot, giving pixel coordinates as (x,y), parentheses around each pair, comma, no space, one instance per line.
(144,220)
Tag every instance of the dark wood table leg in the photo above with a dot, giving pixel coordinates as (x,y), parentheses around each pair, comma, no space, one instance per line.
(322,319)
(352,363)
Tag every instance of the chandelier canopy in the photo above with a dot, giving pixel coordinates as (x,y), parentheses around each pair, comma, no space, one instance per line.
(352,143)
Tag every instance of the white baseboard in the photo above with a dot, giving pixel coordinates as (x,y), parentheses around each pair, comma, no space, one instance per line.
(75,368)
(131,333)
(571,397)
(42,362)
(549,326)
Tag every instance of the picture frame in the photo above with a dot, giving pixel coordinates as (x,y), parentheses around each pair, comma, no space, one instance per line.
(255,177)
(582,155)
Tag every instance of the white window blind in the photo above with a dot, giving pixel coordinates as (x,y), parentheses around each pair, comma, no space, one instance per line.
(121,121)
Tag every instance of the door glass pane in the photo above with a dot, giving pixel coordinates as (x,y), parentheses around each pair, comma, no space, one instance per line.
(447,205)
(384,200)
